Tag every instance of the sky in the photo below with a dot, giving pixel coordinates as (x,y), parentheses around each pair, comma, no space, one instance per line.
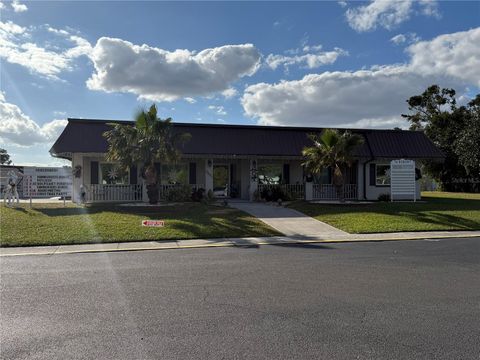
(317,63)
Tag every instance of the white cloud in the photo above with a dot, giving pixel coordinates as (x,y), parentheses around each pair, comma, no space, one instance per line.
(219,110)
(229,93)
(19,129)
(387,14)
(368,98)
(312,58)
(398,39)
(2,6)
(342,3)
(159,75)
(190,100)
(16,48)
(430,8)
(405,38)
(455,55)
(17,7)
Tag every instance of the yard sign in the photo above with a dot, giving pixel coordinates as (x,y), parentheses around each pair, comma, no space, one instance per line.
(402,180)
(153,223)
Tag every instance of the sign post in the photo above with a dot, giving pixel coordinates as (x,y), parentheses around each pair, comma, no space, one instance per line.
(402,180)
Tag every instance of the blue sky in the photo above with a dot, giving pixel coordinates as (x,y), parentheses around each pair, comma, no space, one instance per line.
(330,63)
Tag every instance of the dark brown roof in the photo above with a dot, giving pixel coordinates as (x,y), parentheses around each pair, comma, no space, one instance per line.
(81,135)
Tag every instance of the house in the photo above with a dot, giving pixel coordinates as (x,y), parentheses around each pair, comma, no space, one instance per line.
(237,161)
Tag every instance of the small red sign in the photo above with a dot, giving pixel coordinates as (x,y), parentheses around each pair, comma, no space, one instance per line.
(153,223)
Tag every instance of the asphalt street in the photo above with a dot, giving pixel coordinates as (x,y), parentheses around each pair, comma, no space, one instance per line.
(382,300)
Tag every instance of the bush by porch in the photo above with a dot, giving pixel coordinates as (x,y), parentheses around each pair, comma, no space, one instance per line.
(52,224)
(437,211)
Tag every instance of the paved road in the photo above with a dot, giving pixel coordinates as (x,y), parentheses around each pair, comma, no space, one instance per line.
(391,300)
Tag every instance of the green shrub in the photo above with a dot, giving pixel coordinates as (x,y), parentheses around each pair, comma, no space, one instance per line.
(383,197)
(274,193)
(179,193)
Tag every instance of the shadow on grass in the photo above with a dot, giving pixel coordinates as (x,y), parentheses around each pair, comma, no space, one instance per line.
(124,210)
(444,220)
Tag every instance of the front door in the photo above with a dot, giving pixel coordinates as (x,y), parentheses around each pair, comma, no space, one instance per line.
(221,179)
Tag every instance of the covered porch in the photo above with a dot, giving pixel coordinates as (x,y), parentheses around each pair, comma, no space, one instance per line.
(225,176)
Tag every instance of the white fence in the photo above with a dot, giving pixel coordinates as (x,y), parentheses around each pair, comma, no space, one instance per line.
(165,188)
(329,192)
(295,191)
(113,193)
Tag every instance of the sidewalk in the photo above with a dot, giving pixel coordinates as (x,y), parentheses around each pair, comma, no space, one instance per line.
(230,242)
(288,221)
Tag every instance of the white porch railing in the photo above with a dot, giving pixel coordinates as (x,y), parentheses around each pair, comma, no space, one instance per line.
(295,191)
(113,193)
(329,192)
(165,188)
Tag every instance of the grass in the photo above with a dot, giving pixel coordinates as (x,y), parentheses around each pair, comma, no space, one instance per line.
(437,211)
(54,224)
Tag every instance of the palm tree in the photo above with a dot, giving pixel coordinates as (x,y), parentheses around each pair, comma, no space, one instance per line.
(331,149)
(149,140)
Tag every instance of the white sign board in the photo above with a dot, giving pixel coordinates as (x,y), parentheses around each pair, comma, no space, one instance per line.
(402,180)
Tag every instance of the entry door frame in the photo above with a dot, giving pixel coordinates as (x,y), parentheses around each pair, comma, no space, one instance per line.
(227,165)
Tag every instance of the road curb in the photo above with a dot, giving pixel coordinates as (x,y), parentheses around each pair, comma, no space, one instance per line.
(246,244)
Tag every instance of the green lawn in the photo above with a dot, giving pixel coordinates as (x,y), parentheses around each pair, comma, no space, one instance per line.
(437,211)
(49,224)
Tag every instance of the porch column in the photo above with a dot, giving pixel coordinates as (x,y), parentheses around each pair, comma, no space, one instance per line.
(208,175)
(77,160)
(253,179)
(308,190)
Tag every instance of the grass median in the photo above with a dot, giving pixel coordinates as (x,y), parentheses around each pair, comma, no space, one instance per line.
(54,224)
(436,211)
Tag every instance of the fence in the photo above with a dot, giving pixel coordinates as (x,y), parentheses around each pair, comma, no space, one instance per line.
(329,192)
(113,193)
(295,191)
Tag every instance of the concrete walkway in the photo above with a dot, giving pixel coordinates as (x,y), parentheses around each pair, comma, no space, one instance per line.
(288,221)
(229,242)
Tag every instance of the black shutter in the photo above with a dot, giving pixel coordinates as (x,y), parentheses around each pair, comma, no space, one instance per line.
(157,169)
(94,172)
(192,173)
(330,175)
(232,174)
(373,176)
(286,173)
(133,174)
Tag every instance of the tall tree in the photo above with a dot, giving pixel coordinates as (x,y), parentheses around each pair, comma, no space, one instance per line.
(4,157)
(435,112)
(467,146)
(149,140)
(332,149)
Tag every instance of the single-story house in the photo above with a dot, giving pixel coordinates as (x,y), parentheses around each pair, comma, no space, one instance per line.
(237,161)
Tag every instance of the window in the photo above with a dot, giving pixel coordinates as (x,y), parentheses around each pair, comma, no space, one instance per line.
(270,174)
(111,174)
(174,174)
(382,175)
(324,177)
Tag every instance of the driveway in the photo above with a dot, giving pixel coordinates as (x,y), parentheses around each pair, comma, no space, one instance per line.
(288,221)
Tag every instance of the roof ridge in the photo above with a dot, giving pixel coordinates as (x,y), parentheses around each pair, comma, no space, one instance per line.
(245,126)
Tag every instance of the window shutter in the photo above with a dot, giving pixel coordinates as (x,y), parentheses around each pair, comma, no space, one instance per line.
(93,172)
(286,173)
(330,180)
(192,173)
(232,174)
(133,174)
(373,175)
